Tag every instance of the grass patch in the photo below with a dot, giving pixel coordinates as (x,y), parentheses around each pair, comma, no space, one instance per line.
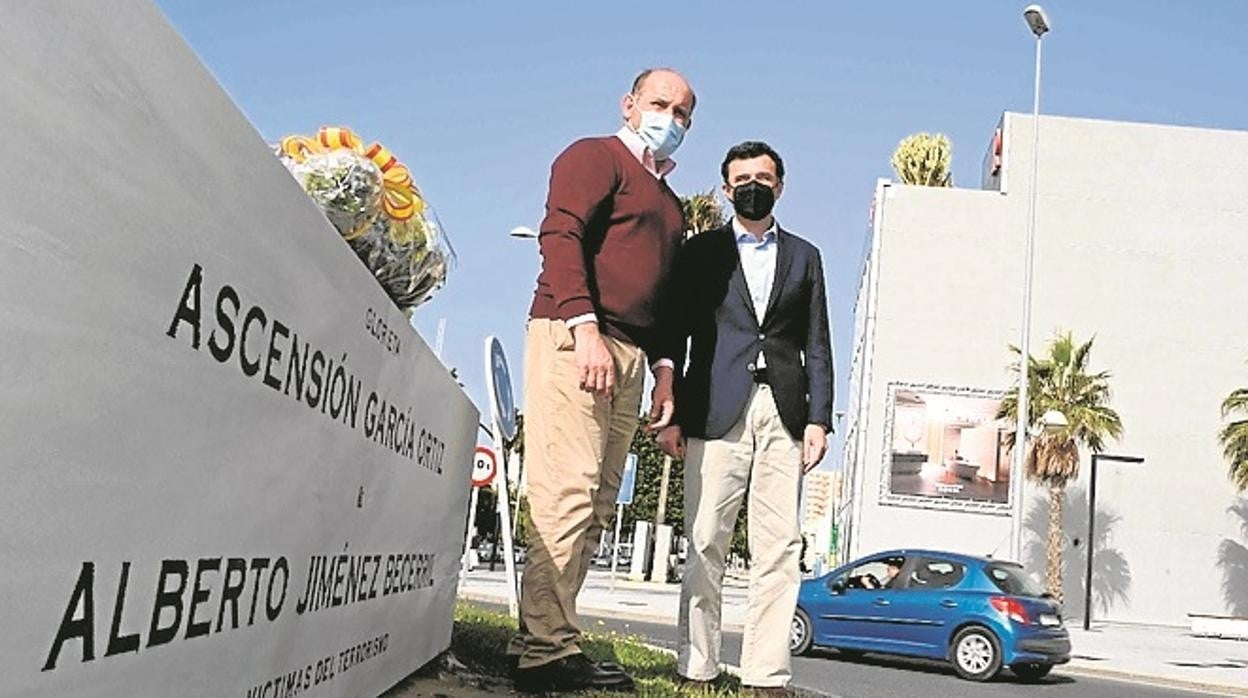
(480,641)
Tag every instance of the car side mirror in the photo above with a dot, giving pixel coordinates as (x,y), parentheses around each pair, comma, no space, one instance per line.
(838,586)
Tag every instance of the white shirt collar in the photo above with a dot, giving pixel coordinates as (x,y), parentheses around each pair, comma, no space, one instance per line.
(638,148)
(740,232)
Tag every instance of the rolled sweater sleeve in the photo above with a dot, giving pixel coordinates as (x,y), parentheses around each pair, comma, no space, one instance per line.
(582,180)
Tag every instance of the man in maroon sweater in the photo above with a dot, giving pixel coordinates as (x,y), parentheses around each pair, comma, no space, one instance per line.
(610,236)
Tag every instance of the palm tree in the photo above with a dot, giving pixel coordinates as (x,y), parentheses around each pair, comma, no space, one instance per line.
(702,212)
(924,159)
(1234,436)
(522,523)
(1061,381)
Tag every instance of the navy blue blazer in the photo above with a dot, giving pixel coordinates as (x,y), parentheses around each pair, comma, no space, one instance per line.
(708,303)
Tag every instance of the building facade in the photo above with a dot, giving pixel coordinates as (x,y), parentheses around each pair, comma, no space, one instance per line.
(819,493)
(1141,242)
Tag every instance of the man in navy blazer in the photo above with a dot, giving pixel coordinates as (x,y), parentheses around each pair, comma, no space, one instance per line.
(755,403)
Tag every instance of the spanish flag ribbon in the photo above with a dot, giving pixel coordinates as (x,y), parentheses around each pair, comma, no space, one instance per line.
(402,198)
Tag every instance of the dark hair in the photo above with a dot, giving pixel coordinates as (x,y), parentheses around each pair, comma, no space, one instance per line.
(641,80)
(751,149)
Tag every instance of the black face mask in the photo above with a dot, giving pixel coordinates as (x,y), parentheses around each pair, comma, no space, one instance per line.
(753,201)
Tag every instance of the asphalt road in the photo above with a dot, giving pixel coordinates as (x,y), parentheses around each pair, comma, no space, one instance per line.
(877,675)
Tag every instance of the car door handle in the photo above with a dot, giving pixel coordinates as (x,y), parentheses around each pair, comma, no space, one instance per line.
(948,603)
(881,602)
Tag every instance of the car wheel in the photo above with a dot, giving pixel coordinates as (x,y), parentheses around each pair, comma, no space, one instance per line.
(976,653)
(1031,672)
(800,633)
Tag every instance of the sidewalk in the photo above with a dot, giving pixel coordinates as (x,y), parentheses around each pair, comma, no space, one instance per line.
(646,601)
(1159,655)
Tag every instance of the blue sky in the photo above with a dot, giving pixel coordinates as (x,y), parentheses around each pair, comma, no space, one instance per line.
(478,98)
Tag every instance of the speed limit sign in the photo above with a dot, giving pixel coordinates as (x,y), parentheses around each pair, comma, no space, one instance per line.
(484,467)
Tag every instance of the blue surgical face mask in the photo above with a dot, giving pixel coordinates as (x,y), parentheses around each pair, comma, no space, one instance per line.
(661,134)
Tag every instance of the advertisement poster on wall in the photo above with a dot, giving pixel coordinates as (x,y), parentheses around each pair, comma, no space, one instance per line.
(945,447)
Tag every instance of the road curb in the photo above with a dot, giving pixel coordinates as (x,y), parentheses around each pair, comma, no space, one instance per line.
(615,613)
(581,610)
(1217,689)
(734,670)
(648,585)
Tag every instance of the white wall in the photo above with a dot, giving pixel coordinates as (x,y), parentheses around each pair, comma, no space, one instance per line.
(1141,242)
(933,321)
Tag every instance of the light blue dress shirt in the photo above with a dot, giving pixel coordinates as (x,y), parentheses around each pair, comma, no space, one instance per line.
(758,264)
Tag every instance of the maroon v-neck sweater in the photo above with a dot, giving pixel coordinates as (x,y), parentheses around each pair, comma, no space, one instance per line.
(608,241)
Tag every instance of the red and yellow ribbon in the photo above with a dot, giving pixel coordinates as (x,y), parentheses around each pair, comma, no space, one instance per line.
(401,199)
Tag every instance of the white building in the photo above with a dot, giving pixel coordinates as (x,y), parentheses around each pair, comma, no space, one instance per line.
(819,491)
(1142,242)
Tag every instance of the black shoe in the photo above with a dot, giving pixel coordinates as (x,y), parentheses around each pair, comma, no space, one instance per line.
(609,667)
(572,673)
(513,664)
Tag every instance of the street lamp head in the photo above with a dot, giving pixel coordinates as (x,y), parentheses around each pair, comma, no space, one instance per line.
(1037,20)
(523,232)
(1051,422)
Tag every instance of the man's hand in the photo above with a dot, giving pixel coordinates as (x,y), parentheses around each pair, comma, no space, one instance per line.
(593,360)
(814,445)
(672,442)
(662,399)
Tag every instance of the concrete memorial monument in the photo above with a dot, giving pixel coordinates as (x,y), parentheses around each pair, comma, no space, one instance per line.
(229,466)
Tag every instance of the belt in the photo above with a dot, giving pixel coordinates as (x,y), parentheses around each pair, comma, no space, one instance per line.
(760,375)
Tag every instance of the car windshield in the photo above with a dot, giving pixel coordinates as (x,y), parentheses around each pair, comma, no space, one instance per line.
(874,574)
(1013,580)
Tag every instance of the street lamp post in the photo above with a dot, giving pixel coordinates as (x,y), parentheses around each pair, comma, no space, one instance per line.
(1038,22)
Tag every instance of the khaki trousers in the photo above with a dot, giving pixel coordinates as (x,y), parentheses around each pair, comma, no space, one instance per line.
(759,458)
(575,446)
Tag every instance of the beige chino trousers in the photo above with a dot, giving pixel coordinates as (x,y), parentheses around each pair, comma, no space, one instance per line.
(575,446)
(760,459)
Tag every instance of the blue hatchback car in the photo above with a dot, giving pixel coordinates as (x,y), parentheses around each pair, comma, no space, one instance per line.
(978,613)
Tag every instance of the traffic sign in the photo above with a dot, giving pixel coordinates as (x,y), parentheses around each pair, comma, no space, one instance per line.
(498,382)
(498,378)
(629,481)
(484,467)
(503,415)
